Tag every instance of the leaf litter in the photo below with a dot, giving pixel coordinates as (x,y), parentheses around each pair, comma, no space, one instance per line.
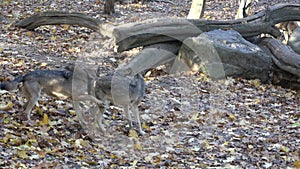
(190,121)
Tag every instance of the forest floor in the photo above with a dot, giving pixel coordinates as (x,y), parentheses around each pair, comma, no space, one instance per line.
(190,120)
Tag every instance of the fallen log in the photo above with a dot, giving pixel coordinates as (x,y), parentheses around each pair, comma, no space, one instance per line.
(283,56)
(58,17)
(154,55)
(166,30)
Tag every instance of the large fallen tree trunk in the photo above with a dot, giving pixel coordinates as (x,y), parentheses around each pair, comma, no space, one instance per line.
(165,30)
(58,17)
(283,56)
(220,53)
(285,68)
(154,55)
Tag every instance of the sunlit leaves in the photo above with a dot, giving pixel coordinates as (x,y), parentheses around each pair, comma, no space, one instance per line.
(45,120)
(22,154)
(256,127)
(7,106)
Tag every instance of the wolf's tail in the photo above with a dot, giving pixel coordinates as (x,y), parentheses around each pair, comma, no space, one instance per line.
(13,85)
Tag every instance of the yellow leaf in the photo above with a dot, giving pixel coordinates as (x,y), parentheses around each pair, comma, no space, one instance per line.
(43,64)
(7,120)
(37,10)
(113,156)
(134,163)
(285,149)
(82,157)
(66,27)
(255,82)
(54,30)
(41,153)
(15,141)
(133,134)
(250,146)
(6,138)
(232,117)
(29,34)
(20,63)
(72,112)
(45,120)
(7,107)
(39,110)
(22,154)
(80,142)
(195,116)
(297,164)
(207,17)
(138,146)
(53,38)
(30,141)
(15,123)
(206,144)
(144,126)
(289,95)
(226,143)
(39,38)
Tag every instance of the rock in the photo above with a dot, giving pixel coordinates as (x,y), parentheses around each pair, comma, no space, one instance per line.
(225,53)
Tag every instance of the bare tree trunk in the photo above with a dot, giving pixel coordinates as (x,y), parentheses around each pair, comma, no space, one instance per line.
(197,9)
(109,6)
(243,10)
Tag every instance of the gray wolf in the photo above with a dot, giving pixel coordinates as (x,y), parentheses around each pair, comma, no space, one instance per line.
(55,83)
(124,89)
(83,86)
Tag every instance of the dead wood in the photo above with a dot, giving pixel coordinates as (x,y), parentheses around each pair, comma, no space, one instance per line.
(153,56)
(165,30)
(283,56)
(59,17)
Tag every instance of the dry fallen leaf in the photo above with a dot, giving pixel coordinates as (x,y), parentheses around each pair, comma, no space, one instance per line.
(133,134)
(7,106)
(45,120)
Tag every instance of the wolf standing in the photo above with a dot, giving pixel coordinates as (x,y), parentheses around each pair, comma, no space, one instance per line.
(55,83)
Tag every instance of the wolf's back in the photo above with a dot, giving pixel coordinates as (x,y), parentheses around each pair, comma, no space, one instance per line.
(13,85)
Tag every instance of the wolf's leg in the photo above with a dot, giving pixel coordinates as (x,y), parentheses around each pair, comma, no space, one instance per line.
(32,92)
(128,116)
(135,111)
(78,112)
(99,117)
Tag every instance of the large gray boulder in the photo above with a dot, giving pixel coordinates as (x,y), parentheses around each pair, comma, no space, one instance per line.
(226,53)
